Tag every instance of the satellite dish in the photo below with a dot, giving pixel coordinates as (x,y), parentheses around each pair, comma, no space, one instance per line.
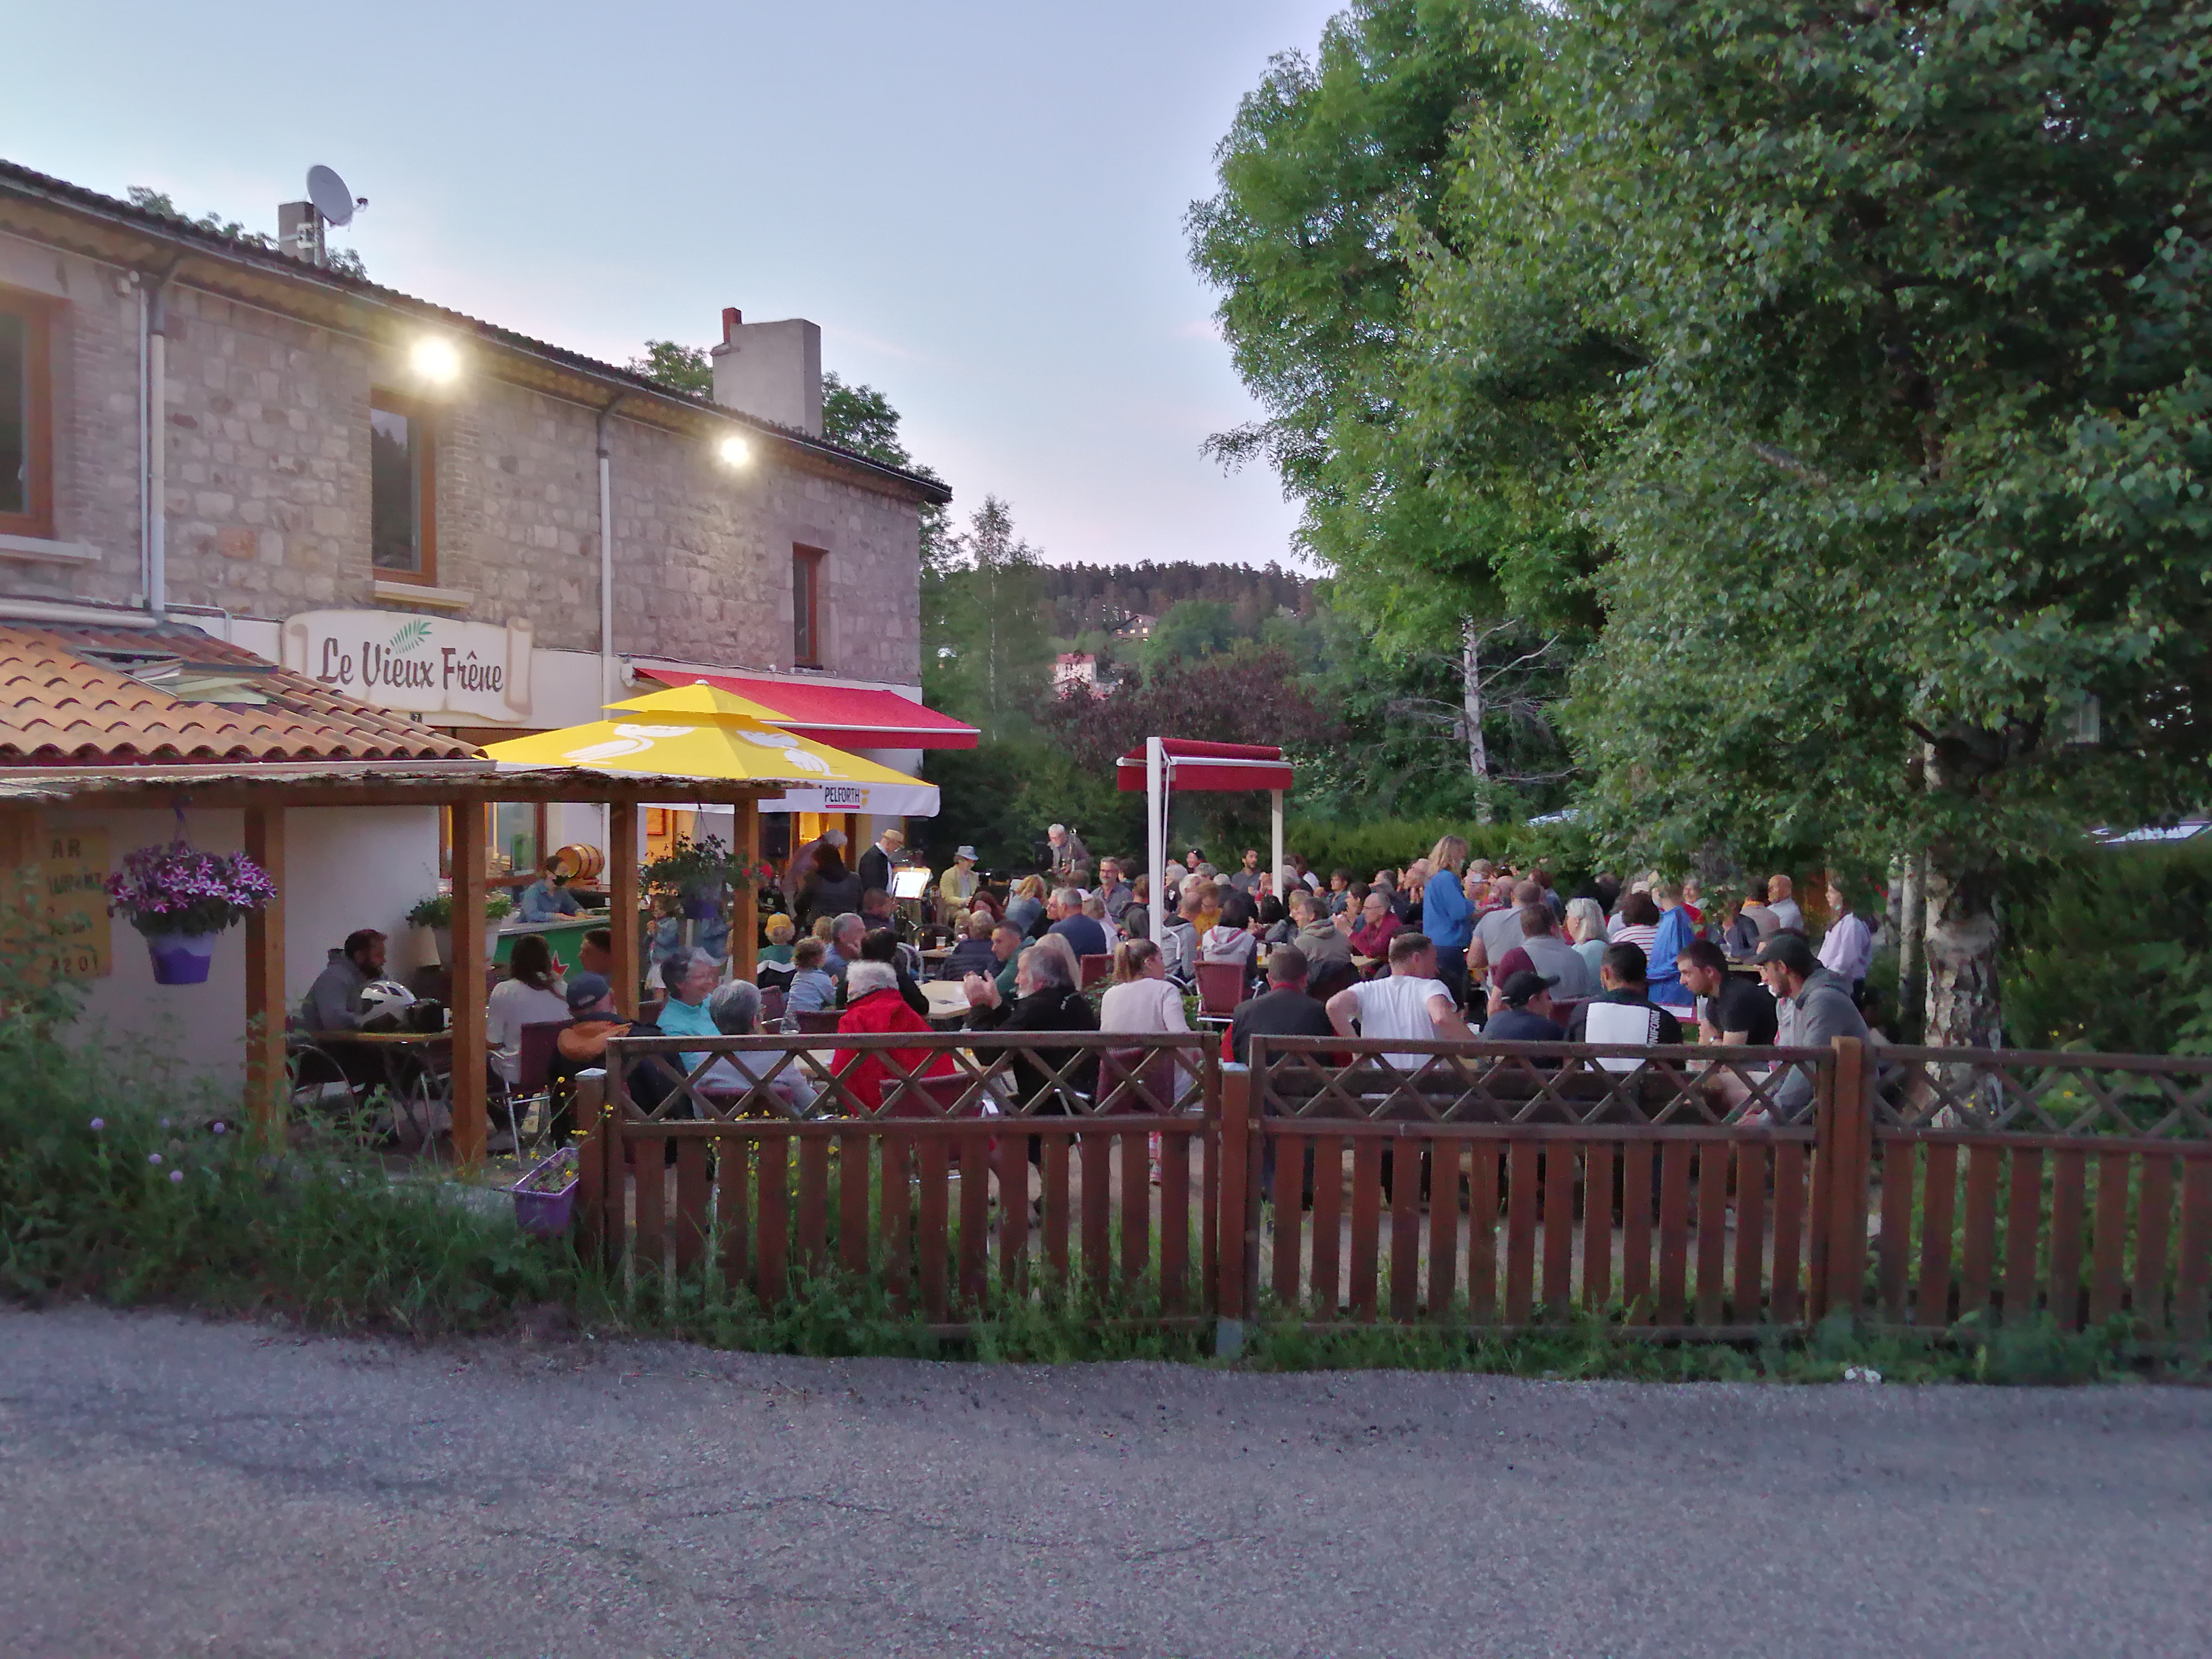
(329,195)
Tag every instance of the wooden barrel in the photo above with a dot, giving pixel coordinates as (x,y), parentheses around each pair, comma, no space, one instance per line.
(580,861)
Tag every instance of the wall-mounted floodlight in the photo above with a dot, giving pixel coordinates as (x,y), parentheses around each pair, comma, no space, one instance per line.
(435,360)
(734,450)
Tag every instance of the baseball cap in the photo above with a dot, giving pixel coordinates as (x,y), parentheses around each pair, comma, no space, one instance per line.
(1790,951)
(1521,985)
(586,990)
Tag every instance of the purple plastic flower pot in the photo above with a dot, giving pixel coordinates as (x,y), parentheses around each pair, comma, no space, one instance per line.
(546,1214)
(698,908)
(180,958)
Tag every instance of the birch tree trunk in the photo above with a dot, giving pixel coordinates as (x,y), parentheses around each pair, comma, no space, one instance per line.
(1964,1008)
(1470,680)
(1911,923)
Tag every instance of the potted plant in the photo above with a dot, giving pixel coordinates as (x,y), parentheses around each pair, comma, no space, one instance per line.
(546,1199)
(696,873)
(181,899)
(436,914)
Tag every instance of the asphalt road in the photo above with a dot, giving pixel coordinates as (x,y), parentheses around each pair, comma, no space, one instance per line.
(168,1487)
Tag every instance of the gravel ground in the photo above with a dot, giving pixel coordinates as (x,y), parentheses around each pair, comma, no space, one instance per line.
(169,1486)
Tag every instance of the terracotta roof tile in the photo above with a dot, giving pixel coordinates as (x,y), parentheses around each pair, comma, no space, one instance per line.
(61,705)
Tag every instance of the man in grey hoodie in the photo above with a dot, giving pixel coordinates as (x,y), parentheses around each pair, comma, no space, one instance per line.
(333,1002)
(1816,1008)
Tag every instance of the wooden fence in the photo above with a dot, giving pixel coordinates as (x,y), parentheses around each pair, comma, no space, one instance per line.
(2013,1183)
(1506,1183)
(1686,1191)
(967,1158)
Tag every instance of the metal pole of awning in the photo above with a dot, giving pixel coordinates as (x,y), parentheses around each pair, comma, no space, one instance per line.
(1156,834)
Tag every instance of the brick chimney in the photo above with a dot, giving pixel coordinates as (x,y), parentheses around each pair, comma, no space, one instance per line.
(772,370)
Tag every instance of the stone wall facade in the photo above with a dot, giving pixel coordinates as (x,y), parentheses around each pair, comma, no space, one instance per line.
(266,424)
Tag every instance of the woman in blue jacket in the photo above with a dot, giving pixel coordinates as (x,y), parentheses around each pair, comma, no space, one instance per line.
(1446,916)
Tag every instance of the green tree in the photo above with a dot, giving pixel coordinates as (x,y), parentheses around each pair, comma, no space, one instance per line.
(680,367)
(985,649)
(1188,631)
(1335,181)
(1894,448)
(861,418)
(344,259)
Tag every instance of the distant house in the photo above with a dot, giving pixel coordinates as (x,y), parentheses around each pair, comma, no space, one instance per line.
(1074,670)
(1135,626)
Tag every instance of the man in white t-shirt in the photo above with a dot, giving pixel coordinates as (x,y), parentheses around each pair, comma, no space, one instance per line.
(1410,1002)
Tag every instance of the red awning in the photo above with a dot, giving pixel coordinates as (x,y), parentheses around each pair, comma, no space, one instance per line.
(1211,766)
(846,716)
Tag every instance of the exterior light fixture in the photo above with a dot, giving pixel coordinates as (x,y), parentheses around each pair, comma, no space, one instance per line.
(734,450)
(435,360)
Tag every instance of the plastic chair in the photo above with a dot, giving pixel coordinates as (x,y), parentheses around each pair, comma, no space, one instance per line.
(771,1008)
(817,1021)
(1095,968)
(1220,988)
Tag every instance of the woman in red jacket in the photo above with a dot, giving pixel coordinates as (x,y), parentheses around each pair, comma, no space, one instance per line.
(873,1003)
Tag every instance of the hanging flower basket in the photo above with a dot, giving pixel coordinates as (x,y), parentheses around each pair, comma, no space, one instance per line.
(699,875)
(181,958)
(182,900)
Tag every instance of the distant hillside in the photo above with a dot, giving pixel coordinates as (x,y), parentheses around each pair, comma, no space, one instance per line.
(1081,597)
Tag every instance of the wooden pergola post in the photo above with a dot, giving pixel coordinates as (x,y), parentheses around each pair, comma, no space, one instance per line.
(744,908)
(621,902)
(264,978)
(470,1059)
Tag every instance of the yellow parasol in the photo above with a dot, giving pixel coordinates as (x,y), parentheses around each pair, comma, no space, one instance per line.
(702,731)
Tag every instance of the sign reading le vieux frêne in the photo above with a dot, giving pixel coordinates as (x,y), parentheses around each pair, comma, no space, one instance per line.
(417,665)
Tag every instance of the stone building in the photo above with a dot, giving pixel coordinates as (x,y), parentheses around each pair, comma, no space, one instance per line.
(490,533)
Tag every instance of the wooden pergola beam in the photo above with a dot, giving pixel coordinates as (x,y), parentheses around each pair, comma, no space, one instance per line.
(470,1060)
(621,904)
(265,1005)
(220,789)
(745,910)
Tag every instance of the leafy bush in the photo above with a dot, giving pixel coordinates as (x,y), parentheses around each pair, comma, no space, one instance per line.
(2112,950)
(1363,848)
(123,1177)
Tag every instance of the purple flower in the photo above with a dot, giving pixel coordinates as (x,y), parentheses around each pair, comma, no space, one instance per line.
(153,1157)
(97,1124)
(176,1175)
(220,1130)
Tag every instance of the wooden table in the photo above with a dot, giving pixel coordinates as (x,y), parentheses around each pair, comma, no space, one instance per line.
(417,1064)
(948,999)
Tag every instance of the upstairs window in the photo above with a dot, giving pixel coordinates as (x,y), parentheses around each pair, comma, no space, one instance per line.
(403,497)
(26,494)
(806,607)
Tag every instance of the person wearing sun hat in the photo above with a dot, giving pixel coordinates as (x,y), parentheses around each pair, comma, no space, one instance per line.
(957,884)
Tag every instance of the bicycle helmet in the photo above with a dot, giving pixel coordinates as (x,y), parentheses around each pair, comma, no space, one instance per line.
(384,1000)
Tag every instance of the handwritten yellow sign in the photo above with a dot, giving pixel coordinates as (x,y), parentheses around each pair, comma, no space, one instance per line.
(74,865)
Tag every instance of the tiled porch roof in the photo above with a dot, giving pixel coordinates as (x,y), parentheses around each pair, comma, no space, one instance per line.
(88,695)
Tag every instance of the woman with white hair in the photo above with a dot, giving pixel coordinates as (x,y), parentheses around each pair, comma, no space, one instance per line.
(1586,931)
(735,1010)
